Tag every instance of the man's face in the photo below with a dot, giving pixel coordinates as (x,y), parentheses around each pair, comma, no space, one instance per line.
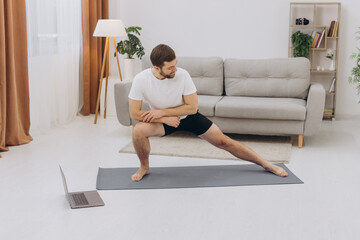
(169,69)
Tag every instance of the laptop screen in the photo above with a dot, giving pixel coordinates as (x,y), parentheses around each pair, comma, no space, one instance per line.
(64,182)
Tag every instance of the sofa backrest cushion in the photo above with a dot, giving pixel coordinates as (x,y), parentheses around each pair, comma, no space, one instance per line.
(287,77)
(206,72)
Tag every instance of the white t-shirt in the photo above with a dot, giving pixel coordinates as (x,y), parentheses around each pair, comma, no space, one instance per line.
(161,94)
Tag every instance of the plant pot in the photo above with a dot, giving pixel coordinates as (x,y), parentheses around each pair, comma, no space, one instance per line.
(129,69)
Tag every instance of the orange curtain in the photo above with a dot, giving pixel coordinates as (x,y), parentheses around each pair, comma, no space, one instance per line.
(14,83)
(93,48)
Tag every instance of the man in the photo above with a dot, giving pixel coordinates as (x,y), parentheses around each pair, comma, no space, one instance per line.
(173,101)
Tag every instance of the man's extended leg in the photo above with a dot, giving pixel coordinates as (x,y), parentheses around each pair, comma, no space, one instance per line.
(215,136)
(141,133)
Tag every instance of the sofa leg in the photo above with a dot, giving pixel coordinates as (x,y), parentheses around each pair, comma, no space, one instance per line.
(300,140)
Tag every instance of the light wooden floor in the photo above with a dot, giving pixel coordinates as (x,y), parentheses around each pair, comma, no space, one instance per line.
(33,205)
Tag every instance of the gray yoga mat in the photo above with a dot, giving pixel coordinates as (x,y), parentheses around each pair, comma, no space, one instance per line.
(192,177)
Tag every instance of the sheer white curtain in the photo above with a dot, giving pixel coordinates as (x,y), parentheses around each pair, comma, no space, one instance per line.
(54,50)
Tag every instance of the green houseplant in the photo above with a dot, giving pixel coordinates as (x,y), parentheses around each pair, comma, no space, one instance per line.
(301,43)
(132,45)
(355,72)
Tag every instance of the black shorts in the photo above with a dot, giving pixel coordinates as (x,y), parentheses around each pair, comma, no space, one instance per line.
(196,123)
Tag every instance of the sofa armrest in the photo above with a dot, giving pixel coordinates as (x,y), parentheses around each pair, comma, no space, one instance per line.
(314,109)
(121,93)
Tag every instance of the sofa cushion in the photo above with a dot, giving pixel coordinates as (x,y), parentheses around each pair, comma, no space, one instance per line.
(261,108)
(206,72)
(287,77)
(207,104)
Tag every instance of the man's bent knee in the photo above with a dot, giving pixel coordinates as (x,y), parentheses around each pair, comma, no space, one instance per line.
(142,129)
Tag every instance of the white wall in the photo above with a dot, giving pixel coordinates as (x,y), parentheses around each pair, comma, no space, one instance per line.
(233,28)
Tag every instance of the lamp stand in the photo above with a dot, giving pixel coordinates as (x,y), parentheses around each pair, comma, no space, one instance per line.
(105,67)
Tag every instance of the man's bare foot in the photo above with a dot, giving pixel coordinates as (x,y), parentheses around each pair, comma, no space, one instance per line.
(140,174)
(276,170)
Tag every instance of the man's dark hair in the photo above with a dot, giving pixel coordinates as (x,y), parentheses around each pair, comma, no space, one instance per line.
(160,54)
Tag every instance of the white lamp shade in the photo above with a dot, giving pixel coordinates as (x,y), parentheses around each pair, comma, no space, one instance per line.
(109,28)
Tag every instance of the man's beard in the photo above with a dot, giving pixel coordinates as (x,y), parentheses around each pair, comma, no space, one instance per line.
(171,75)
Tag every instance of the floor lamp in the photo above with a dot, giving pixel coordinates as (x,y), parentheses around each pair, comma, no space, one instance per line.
(107,28)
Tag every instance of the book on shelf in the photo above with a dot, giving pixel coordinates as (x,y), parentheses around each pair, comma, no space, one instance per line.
(313,35)
(335,29)
(315,39)
(331,28)
(332,86)
(320,38)
(328,111)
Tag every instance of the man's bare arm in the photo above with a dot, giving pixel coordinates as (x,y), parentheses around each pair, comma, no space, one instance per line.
(189,107)
(136,112)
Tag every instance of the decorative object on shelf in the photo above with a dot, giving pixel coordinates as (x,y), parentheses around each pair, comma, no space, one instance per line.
(330,54)
(302,21)
(107,28)
(301,42)
(130,47)
(332,86)
(355,72)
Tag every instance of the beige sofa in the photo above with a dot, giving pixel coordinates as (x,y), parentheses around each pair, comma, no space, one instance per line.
(262,97)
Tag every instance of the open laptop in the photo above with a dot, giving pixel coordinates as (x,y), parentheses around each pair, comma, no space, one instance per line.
(81,199)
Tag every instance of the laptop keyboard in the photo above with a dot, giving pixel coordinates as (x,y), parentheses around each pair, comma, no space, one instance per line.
(80,199)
